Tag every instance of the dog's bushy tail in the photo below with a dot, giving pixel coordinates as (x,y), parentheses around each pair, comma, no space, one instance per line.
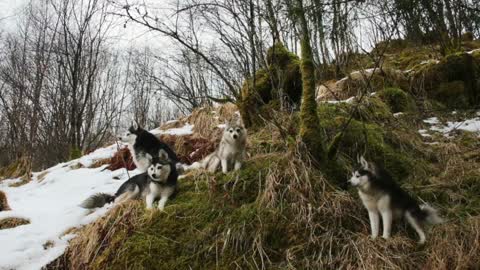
(181,168)
(97,200)
(195,166)
(431,214)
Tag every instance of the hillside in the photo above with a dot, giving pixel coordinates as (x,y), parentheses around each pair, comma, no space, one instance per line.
(279,211)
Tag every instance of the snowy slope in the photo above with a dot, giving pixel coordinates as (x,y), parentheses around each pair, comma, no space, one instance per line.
(51,205)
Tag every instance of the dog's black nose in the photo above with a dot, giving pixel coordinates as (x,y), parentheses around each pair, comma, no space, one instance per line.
(154,175)
(235,136)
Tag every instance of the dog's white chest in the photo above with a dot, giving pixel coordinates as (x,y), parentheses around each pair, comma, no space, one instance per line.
(370,202)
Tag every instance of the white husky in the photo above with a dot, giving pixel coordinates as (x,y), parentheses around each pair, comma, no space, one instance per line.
(231,151)
(381,195)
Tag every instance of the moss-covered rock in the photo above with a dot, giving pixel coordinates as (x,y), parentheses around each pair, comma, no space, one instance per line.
(369,109)
(397,99)
(452,94)
(455,80)
(282,76)
(359,137)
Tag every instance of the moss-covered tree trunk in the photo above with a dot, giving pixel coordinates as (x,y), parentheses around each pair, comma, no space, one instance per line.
(310,128)
(310,124)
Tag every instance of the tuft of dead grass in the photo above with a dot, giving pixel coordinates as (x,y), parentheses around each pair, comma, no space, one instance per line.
(76,166)
(121,159)
(97,242)
(190,148)
(20,168)
(3,202)
(41,176)
(12,222)
(174,124)
(207,119)
(455,246)
(100,162)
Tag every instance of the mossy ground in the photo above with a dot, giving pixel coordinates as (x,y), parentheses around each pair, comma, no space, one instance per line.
(280,212)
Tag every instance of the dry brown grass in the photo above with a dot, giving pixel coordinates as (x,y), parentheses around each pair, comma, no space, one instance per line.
(279,212)
(20,168)
(41,176)
(299,221)
(190,148)
(3,202)
(105,234)
(100,162)
(12,222)
(77,166)
(174,124)
(455,246)
(121,159)
(207,119)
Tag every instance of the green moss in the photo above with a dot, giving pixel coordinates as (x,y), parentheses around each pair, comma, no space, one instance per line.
(359,137)
(452,94)
(75,153)
(210,213)
(371,109)
(283,74)
(397,99)
(442,81)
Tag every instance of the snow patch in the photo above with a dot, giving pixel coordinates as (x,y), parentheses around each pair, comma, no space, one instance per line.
(52,206)
(182,131)
(349,100)
(424,133)
(435,61)
(431,121)
(470,125)
(171,121)
(102,153)
(472,51)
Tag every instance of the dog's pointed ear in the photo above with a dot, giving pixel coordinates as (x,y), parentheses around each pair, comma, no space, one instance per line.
(162,154)
(227,123)
(135,125)
(238,121)
(364,163)
(149,157)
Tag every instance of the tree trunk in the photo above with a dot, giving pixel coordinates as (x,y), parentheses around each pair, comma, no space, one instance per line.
(309,122)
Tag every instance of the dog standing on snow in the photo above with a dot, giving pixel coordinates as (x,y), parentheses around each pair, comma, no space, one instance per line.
(158,183)
(382,196)
(230,152)
(141,142)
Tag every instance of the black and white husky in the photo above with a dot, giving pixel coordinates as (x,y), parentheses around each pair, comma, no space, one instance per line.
(158,183)
(382,196)
(231,151)
(141,142)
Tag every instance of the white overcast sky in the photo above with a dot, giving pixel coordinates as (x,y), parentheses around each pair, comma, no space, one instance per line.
(133,35)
